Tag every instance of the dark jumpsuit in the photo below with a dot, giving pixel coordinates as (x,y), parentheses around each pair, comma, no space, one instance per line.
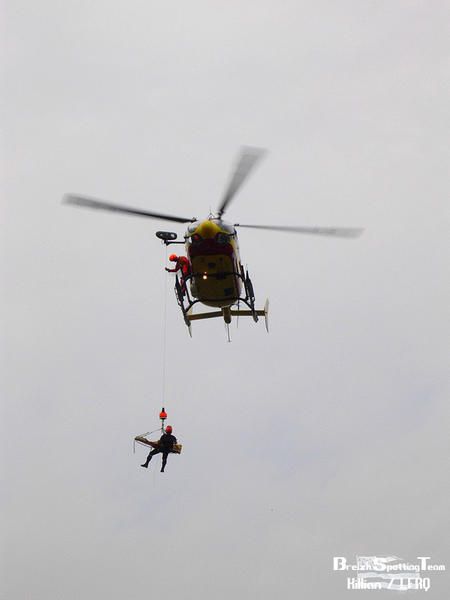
(166,444)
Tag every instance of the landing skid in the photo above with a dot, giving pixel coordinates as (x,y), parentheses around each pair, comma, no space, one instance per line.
(186,304)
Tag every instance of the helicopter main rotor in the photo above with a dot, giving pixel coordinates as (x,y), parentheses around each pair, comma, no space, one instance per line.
(100,204)
(248,159)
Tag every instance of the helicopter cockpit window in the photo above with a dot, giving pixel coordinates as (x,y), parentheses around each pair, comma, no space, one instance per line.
(223,238)
(192,227)
(230,230)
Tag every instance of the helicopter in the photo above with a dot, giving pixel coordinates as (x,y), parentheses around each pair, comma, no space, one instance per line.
(215,276)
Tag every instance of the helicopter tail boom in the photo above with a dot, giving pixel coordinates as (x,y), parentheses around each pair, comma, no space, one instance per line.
(249,313)
(207,315)
(227,314)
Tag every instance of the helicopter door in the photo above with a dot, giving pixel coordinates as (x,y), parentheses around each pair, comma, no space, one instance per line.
(215,279)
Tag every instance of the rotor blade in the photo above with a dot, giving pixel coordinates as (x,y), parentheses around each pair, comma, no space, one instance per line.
(247,160)
(344,232)
(99,204)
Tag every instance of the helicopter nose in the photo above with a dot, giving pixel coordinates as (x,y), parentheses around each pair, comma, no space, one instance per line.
(207,230)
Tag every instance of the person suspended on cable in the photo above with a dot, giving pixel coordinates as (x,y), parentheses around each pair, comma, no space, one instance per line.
(165,446)
(181,264)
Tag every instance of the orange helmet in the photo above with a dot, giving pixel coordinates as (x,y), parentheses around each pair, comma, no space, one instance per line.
(173,258)
(169,429)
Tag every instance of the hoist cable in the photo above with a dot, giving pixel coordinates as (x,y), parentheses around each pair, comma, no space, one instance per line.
(163,383)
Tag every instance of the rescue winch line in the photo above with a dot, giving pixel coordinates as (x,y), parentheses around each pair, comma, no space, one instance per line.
(164,332)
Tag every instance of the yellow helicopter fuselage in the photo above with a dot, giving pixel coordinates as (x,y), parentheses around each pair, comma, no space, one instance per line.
(216,271)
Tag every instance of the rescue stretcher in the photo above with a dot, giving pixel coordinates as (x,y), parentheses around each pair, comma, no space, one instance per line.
(141,439)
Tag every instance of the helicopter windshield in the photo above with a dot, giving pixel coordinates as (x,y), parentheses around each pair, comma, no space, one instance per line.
(225,226)
(192,227)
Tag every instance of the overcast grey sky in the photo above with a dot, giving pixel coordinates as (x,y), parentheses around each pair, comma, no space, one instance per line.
(329,436)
